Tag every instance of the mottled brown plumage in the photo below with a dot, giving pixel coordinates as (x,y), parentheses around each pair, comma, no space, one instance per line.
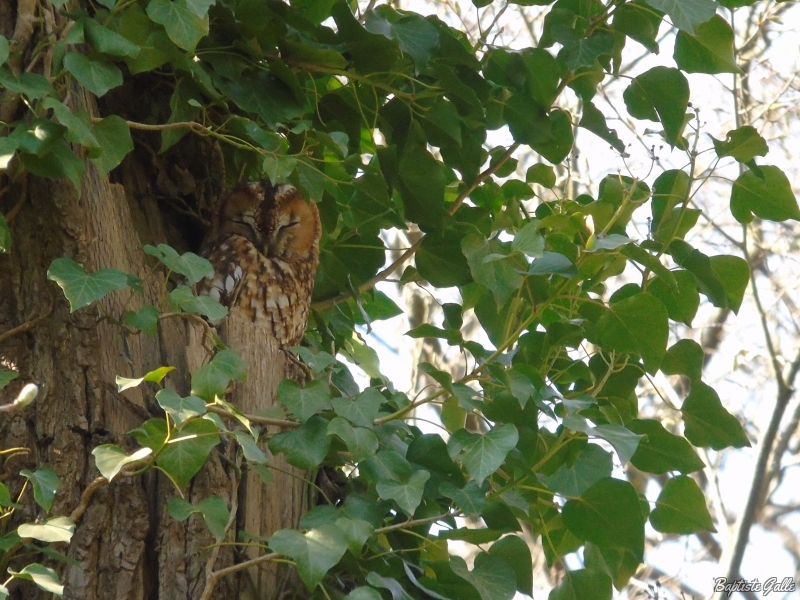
(264,246)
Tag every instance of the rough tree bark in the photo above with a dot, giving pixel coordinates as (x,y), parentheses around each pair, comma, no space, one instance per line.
(126,545)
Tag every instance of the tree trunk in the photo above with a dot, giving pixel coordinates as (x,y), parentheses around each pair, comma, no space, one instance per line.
(126,544)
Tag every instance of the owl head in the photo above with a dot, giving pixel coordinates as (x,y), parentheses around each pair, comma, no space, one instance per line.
(240,212)
(275,219)
(290,224)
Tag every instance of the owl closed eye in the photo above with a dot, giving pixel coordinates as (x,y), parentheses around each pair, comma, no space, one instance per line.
(264,247)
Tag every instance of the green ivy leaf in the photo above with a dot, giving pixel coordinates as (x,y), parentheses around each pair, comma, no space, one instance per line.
(146,319)
(315,552)
(552,263)
(528,240)
(361,410)
(408,495)
(32,85)
(549,135)
(356,532)
(639,22)
(709,50)
(768,197)
(306,401)
(155,376)
(482,454)
(681,508)
(686,15)
(592,465)
(216,515)
(440,260)
(45,578)
(180,409)
(306,446)
(180,509)
(189,264)
(734,273)
(95,74)
(212,379)
(707,423)
(421,182)
(685,357)
(416,36)
(361,442)
(199,7)
(681,304)
(637,325)
(38,138)
(363,593)
(7,376)
(56,529)
(584,51)
(492,577)
(114,138)
(3,49)
(184,27)
(743,144)
(499,276)
(152,434)
(45,484)
(58,162)
(184,455)
(80,288)
(660,94)
(183,298)
(661,451)
(107,41)
(608,514)
(250,448)
(670,190)
(515,552)
(699,265)
(583,584)
(110,459)
(624,441)
(542,174)
(595,121)
(471,499)
(79,128)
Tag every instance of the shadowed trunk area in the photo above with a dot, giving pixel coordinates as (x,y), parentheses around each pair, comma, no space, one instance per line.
(126,546)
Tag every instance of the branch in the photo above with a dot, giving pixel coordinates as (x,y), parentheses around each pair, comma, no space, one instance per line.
(87,494)
(196,127)
(254,419)
(28,324)
(213,579)
(211,582)
(755,496)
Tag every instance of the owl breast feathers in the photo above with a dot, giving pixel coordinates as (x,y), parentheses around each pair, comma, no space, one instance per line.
(264,247)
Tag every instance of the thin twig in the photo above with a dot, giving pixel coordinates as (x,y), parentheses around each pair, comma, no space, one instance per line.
(211,583)
(283,423)
(87,494)
(28,324)
(213,579)
(755,497)
(22,197)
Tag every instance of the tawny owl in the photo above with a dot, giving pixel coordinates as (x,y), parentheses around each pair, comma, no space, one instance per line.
(264,246)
